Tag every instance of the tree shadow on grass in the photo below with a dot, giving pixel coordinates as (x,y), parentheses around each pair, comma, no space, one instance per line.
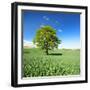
(55,54)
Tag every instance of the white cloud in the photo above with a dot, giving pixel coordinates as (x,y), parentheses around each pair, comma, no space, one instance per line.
(42,25)
(60,30)
(29,44)
(57,22)
(69,45)
(46,18)
(25,41)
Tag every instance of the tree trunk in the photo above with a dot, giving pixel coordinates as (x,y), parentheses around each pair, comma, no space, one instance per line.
(47,51)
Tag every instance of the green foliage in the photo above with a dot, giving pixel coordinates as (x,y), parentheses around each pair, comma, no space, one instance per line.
(57,63)
(46,38)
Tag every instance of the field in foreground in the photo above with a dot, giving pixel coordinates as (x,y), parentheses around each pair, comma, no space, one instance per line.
(58,63)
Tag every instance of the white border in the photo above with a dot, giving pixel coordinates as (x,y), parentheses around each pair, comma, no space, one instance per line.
(82,54)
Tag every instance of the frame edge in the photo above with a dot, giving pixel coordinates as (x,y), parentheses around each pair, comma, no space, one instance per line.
(14,45)
(14,40)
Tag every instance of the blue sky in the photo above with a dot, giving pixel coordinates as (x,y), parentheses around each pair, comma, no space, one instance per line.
(67,26)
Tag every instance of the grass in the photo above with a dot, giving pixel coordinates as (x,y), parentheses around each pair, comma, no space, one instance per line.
(59,62)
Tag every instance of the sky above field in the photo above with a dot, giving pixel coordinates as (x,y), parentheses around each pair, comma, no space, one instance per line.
(67,26)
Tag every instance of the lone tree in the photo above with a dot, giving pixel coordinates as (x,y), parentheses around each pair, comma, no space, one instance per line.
(46,38)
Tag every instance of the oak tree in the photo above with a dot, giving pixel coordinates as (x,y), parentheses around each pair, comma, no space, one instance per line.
(46,38)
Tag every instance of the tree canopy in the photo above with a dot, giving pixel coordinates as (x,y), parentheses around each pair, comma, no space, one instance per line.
(46,38)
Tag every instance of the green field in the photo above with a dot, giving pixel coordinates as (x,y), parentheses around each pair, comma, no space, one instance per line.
(59,62)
